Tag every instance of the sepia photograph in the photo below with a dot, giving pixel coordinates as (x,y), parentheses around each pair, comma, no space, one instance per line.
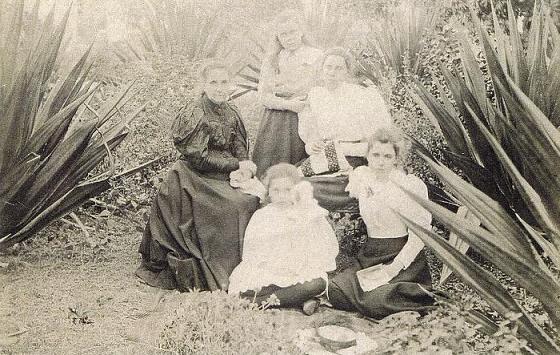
(268,177)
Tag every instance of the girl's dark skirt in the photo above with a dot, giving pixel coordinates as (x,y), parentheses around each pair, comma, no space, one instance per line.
(403,293)
(277,140)
(194,235)
(329,191)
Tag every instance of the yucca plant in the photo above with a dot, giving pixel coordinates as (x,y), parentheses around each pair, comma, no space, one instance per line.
(45,153)
(324,22)
(400,37)
(508,148)
(182,27)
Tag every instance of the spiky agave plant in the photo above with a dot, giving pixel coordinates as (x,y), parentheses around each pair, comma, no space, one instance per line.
(45,155)
(509,151)
(400,36)
(184,28)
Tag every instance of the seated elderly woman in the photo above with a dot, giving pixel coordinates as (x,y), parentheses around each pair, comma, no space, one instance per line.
(193,238)
(338,117)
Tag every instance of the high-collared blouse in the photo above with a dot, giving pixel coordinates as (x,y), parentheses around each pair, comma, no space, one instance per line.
(348,113)
(211,137)
(381,202)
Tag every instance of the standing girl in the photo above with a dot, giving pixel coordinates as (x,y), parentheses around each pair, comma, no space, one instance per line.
(391,272)
(287,73)
(289,245)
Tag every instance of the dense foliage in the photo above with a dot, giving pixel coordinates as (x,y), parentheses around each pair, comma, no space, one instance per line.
(509,150)
(45,154)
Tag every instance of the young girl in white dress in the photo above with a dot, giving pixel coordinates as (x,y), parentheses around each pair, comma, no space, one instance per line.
(289,245)
(390,272)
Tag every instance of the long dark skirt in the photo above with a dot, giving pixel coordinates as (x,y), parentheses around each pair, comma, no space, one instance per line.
(403,293)
(194,236)
(277,140)
(329,191)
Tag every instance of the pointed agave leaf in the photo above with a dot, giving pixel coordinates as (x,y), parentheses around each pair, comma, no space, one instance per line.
(538,120)
(491,214)
(51,126)
(524,266)
(57,167)
(66,89)
(240,93)
(473,74)
(486,285)
(249,78)
(478,175)
(111,109)
(518,68)
(66,203)
(82,167)
(448,123)
(458,243)
(527,191)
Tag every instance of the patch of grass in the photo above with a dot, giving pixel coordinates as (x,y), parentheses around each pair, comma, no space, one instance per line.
(218,323)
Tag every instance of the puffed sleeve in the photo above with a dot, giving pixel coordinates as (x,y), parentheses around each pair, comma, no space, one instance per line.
(191,136)
(239,145)
(376,110)
(416,213)
(357,179)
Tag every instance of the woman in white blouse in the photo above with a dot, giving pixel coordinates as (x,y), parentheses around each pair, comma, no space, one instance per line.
(288,71)
(337,119)
(390,271)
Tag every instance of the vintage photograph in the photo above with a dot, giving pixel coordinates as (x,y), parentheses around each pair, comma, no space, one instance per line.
(280,177)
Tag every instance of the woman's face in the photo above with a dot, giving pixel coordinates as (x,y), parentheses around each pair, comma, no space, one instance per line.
(290,36)
(281,191)
(334,69)
(218,86)
(382,157)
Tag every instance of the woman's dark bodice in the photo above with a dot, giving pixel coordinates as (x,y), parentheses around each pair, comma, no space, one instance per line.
(210,137)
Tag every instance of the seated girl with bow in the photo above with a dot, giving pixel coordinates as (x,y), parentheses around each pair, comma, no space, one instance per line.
(289,245)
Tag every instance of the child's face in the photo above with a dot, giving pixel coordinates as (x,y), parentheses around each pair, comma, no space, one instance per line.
(381,157)
(280,191)
(290,35)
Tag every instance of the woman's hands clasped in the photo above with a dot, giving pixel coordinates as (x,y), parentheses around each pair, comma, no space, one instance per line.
(247,169)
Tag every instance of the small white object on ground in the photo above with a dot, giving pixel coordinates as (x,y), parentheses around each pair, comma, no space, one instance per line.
(309,341)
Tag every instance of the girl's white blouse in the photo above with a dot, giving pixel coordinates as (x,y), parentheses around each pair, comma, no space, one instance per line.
(284,247)
(348,113)
(380,201)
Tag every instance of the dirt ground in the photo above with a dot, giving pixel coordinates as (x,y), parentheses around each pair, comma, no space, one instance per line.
(69,298)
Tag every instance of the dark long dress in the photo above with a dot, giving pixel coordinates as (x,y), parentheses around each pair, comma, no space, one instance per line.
(329,191)
(402,293)
(193,238)
(277,140)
